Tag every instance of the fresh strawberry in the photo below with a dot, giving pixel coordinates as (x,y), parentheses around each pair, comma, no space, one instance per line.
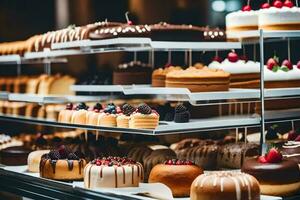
(297,138)
(271,63)
(233,57)
(288,64)
(292,135)
(265,6)
(278,4)
(217,59)
(298,65)
(246,8)
(274,156)
(262,159)
(288,3)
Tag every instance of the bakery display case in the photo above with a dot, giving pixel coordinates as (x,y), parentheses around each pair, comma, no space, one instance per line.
(221,130)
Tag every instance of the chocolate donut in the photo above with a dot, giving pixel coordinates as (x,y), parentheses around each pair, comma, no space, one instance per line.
(276,179)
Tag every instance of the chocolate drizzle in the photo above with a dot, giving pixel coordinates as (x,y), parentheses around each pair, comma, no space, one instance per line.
(70,165)
(123,170)
(116,177)
(53,165)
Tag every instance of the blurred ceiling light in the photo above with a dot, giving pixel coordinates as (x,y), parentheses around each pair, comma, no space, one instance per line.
(218,6)
(233,5)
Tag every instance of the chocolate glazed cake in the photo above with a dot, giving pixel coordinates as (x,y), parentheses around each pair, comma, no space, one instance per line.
(170,32)
(13,156)
(234,155)
(120,31)
(62,165)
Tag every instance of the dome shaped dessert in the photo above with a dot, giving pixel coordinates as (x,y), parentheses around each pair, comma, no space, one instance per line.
(178,175)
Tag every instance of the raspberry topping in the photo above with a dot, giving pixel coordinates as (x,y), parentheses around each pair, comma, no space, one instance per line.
(246,8)
(113,161)
(128,109)
(144,109)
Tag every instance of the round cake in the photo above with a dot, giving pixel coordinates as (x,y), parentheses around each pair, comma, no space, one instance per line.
(62,165)
(113,172)
(221,185)
(276,176)
(280,17)
(34,159)
(291,151)
(178,175)
(13,156)
(144,118)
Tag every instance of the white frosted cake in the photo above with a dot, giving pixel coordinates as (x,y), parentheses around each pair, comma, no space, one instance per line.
(284,18)
(113,172)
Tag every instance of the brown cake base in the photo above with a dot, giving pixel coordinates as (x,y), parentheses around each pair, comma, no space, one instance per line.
(281,27)
(158,81)
(268,84)
(199,87)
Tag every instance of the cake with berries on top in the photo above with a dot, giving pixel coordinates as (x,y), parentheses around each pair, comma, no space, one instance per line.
(245,19)
(62,164)
(240,68)
(276,176)
(108,117)
(182,115)
(144,118)
(281,15)
(92,115)
(113,172)
(79,115)
(65,115)
(123,118)
(178,175)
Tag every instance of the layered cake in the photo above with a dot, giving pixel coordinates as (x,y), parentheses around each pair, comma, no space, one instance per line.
(245,19)
(34,159)
(144,118)
(113,172)
(159,76)
(241,71)
(280,16)
(93,115)
(178,175)
(80,113)
(62,164)
(234,155)
(65,116)
(225,185)
(124,117)
(134,72)
(121,31)
(171,32)
(109,116)
(199,80)
(276,176)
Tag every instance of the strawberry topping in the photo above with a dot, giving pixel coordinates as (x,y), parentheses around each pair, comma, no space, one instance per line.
(288,3)
(278,4)
(274,156)
(265,6)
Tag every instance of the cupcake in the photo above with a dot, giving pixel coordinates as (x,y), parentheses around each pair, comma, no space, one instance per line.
(144,118)
(65,115)
(182,115)
(109,116)
(123,119)
(92,115)
(79,116)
